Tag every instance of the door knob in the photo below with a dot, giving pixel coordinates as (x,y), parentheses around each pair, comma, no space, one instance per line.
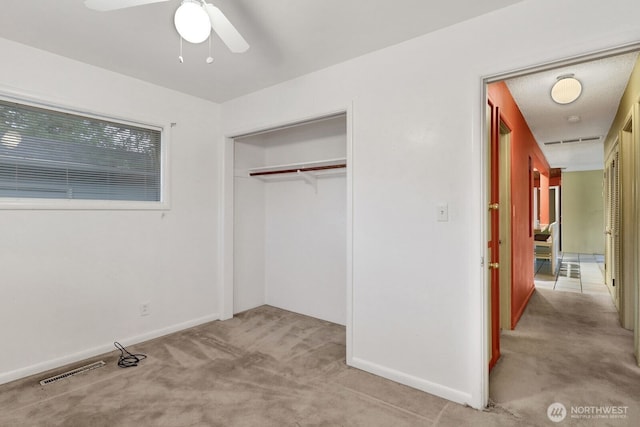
(494,206)
(494,265)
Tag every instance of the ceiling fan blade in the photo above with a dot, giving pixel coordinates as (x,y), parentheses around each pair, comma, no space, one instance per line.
(225,30)
(107,5)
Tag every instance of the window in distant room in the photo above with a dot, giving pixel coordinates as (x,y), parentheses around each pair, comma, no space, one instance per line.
(50,154)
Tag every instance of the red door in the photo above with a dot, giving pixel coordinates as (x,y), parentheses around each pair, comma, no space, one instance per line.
(494,235)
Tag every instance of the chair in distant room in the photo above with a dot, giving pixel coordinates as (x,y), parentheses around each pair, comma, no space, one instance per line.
(546,245)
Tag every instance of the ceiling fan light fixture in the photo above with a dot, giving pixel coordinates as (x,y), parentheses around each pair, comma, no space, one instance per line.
(566,90)
(192,22)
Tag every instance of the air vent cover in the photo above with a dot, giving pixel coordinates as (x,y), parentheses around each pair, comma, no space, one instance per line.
(72,372)
(574,140)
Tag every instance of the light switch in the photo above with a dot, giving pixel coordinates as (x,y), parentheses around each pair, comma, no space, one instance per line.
(443,212)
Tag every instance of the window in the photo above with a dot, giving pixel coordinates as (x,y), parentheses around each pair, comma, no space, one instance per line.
(49,154)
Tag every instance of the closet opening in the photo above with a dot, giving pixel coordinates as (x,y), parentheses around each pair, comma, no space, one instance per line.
(290,210)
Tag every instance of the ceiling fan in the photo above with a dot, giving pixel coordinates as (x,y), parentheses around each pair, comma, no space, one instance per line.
(194,20)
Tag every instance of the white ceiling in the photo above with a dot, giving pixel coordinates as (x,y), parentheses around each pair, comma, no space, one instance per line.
(603,83)
(288,38)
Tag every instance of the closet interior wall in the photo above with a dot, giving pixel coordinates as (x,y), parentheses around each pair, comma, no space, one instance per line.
(290,229)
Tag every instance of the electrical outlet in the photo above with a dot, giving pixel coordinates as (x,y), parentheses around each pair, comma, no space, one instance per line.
(145,309)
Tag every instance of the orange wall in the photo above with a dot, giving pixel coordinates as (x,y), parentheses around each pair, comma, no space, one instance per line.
(525,154)
(554,181)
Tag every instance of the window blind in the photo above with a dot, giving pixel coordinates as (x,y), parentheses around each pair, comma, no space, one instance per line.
(57,155)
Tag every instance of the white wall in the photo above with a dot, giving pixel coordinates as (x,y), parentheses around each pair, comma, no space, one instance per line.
(72,280)
(417,313)
(583,212)
(68,289)
(301,233)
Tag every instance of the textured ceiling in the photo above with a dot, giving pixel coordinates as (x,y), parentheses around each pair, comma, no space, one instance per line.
(288,38)
(603,83)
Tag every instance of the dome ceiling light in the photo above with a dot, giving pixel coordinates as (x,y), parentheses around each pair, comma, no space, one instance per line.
(566,90)
(192,22)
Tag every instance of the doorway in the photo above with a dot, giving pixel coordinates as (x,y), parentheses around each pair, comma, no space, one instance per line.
(290,219)
(232,299)
(492,120)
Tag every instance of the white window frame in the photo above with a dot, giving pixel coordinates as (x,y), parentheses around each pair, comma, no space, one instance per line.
(12,203)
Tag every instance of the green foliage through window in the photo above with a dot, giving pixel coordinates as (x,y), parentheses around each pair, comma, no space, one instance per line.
(51,154)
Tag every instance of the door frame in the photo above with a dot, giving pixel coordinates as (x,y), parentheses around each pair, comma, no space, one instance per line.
(493,230)
(636,290)
(612,223)
(225,225)
(482,361)
(506,257)
(628,224)
(499,226)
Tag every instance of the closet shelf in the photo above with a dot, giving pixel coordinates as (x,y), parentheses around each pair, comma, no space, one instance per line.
(302,168)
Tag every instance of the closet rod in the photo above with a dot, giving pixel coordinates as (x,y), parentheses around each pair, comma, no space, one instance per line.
(307,169)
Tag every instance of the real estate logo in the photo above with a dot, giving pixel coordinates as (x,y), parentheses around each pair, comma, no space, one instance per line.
(556,412)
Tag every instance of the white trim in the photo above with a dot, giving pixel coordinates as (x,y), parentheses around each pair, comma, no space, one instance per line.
(225,227)
(570,60)
(349,222)
(415,382)
(101,349)
(284,124)
(20,96)
(479,297)
(80,204)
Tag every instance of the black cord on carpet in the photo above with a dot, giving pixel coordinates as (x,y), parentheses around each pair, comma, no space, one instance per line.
(128,360)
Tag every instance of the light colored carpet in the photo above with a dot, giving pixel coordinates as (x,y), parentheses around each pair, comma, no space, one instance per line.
(270,367)
(568,348)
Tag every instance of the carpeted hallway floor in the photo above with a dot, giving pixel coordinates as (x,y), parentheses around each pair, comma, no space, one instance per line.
(568,348)
(270,367)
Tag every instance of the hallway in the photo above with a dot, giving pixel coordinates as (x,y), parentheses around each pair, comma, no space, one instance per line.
(569,348)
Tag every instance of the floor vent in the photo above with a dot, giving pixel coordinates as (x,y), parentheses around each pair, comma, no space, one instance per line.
(570,269)
(76,371)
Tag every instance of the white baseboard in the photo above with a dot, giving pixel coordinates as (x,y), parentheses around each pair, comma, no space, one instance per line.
(412,381)
(17,374)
